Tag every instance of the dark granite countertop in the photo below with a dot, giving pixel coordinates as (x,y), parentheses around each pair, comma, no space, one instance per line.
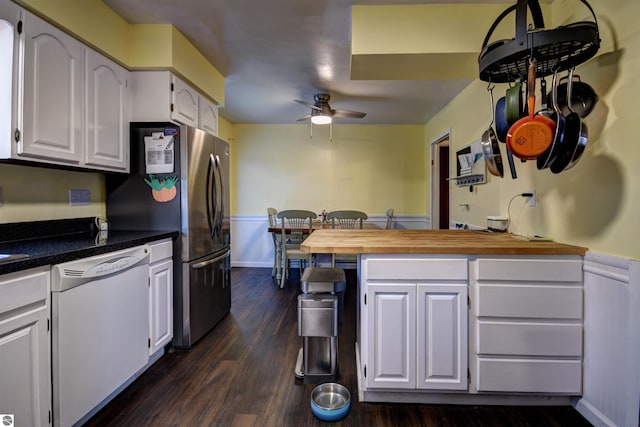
(79,240)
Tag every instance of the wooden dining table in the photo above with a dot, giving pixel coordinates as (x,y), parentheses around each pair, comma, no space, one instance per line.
(317,225)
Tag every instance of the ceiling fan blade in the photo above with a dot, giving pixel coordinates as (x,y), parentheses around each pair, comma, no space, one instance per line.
(307,117)
(307,104)
(348,113)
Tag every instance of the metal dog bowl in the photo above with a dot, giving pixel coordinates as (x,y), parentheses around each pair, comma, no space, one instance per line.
(330,401)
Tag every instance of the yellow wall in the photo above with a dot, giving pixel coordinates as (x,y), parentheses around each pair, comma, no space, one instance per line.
(134,46)
(365,167)
(420,41)
(38,194)
(596,203)
(225,130)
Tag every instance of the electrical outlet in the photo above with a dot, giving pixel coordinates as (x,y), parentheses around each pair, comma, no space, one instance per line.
(531,201)
(79,197)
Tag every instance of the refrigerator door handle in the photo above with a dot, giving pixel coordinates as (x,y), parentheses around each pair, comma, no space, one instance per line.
(212,209)
(221,204)
(203,264)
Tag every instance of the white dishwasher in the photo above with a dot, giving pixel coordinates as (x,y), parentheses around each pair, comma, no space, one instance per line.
(100,329)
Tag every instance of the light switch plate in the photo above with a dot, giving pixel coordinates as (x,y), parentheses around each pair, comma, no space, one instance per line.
(79,197)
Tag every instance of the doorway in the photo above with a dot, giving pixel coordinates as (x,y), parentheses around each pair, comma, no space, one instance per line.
(440,182)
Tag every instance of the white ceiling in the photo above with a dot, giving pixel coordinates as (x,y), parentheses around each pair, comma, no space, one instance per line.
(274,51)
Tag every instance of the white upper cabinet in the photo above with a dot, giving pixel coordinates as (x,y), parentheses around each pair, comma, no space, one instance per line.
(69,105)
(185,103)
(52,87)
(10,15)
(208,116)
(107,98)
(161,96)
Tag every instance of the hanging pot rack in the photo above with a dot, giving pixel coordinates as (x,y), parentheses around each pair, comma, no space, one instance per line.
(559,49)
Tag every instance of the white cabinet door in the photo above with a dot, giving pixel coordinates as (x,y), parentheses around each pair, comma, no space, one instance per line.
(107,126)
(442,337)
(185,103)
(208,116)
(52,94)
(25,388)
(9,18)
(391,356)
(160,304)
(151,96)
(162,96)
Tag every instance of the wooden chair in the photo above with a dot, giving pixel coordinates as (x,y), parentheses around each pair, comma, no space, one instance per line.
(295,225)
(389,219)
(277,239)
(346,220)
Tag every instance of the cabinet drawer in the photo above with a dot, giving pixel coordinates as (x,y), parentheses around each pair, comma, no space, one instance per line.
(409,268)
(23,288)
(538,270)
(521,301)
(530,376)
(530,339)
(160,250)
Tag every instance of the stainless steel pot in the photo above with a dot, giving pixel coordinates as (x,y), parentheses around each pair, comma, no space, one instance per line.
(490,146)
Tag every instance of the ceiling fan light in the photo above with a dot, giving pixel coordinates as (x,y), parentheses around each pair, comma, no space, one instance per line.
(320,119)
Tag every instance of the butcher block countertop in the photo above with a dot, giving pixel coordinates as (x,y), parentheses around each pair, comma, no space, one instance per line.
(430,242)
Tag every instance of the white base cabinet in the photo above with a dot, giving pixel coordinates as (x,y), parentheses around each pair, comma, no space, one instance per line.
(527,317)
(414,322)
(391,353)
(503,329)
(25,343)
(160,295)
(442,336)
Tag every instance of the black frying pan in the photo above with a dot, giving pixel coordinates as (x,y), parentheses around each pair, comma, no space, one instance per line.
(584,131)
(546,159)
(575,133)
(502,126)
(583,98)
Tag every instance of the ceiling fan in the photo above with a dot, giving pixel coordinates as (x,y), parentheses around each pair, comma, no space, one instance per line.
(322,113)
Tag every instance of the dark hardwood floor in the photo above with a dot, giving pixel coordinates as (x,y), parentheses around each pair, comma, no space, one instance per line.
(241,374)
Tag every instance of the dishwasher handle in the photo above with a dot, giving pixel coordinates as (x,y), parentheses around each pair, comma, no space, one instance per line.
(208,262)
(75,273)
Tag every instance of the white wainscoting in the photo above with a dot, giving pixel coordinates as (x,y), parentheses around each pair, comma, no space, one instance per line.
(252,245)
(611,372)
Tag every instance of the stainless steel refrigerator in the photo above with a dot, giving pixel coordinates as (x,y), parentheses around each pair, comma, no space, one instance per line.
(179,180)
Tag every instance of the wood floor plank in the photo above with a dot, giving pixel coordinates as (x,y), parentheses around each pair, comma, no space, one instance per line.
(242,374)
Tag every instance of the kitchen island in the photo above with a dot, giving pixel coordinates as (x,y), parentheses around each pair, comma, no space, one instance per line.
(466,317)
